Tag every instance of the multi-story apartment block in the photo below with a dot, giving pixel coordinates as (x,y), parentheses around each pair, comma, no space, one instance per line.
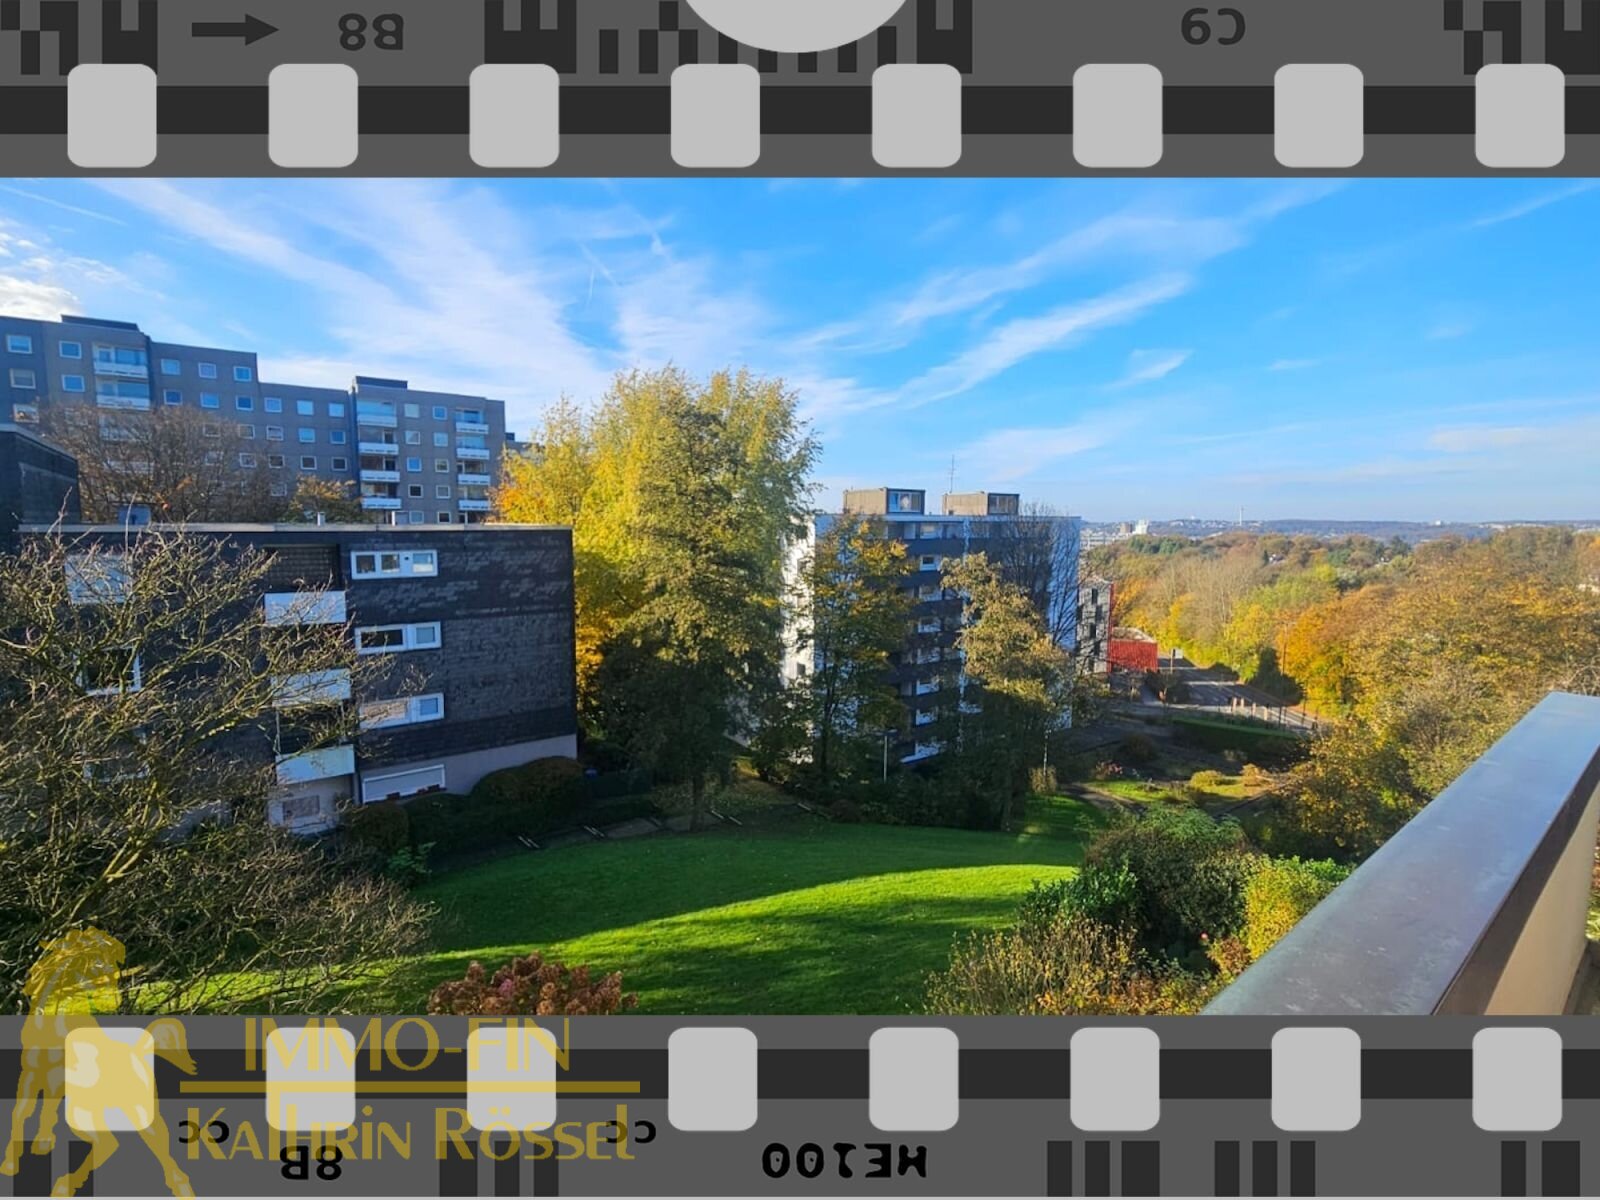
(414,457)
(973,521)
(475,627)
(38,483)
(1094,625)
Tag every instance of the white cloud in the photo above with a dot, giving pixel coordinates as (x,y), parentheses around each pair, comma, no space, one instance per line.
(1534,204)
(1024,337)
(1147,366)
(1007,455)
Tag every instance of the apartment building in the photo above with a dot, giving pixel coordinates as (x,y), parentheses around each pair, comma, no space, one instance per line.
(475,626)
(414,457)
(1040,551)
(1094,625)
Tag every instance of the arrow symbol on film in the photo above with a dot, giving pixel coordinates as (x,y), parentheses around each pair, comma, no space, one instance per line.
(251,29)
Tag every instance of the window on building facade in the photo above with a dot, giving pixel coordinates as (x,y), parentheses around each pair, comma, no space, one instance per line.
(211,431)
(391,639)
(70,349)
(118,674)
(335,408)
(22,377)
(72,383)
(414,518)
(212,458)
(308,462)
(246,460)
(171,366)
(305,408)
(336,436)
(441,439)
(209,400)
(275,460)
(340,464)
(305,435)
(414,490)
(274,433)
(19,343)
(272,403)
(207,370)
(247,432)
(279,489)
(244,403)
(413,464)
(413,437)
(172,396)
(98,577)
(442,465)
(441,413)
(444,518)
(441,491)
(387,564)
(413,411)
(243,374)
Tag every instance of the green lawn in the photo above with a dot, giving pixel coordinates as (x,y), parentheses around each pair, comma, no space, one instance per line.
(806,918)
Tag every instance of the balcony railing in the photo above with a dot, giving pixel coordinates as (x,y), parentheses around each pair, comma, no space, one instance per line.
(1477,906)
(382,449)
(118,370)
(471,480)
(304,608)
(378,419)
(330,762)
(311,687)
(472,452)
(471,427)
(926,687)
(370,476)
(385,502)
(473,505)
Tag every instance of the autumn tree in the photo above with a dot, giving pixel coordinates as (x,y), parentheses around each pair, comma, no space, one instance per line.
(186,465)
(1017,684)
(600,471)
(141,691)
(333,500)
(1038,552)
(694,546)
(851,610)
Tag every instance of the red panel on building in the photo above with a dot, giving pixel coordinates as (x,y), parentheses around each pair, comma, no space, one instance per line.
(1132,651)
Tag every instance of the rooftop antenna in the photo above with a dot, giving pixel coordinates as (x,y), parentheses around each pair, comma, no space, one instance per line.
(952,473)
(1241,516)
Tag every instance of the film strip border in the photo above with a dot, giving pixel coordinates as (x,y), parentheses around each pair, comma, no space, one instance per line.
(715,117)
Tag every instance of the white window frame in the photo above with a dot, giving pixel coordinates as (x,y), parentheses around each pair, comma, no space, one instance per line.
(136,684)
(339,464)
(414,491)
(279,489)
(33,378)
(246,459)
(244,403)
(243,374)
(306,437)
(214,398)
(68,381)
(441,413)
(274,433)
(272,404)
(412,714)
(308,462)
(277,466)
(414,469)
(305,408)
(409,635)
(206,370)
(408,564)
(107,583)
(336,436)
(12,346)
(336,409)
(171,366)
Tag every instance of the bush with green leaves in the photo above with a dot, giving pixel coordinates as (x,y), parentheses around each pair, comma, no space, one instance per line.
(1207,780)
(1190,873)
(384,827)
(1280,892)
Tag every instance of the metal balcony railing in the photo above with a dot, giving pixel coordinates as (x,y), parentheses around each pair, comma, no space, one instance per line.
(1477,906)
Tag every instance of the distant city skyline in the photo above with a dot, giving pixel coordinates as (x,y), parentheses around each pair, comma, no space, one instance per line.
(1309,349)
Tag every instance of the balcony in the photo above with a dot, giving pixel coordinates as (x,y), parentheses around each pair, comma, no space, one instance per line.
(1478,906)
(330,762)
(926,717)
(381,449)
(379,476)
(304,608)
(929,626)
(378,420)
(380,502)
(467,480)
(473,505)
(477,453)
(471,427)
(926,687)
(312,687)
(133,403)
(117,370)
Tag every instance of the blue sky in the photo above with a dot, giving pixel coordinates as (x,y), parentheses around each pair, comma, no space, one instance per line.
(1421,350)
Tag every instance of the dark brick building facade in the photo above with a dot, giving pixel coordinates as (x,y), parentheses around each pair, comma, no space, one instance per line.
(38,482)
(475,626)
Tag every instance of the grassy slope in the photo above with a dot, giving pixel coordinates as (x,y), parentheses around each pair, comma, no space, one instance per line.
(810,918)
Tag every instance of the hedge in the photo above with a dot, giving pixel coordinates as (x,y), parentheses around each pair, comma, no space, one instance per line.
(528,800)
(1260,740)
(1280,893)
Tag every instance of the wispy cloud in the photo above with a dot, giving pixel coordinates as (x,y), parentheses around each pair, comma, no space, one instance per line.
(1294,364)
(1024,337)
(1007,455)
(1533,204)
(1147,366)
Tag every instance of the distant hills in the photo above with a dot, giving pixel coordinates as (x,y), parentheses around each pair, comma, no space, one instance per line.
(1410,531)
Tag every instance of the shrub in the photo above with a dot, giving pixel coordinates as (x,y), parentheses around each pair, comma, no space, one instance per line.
(1137,748)
(1229,955)
(1102,771)
(384,827)
(1281,891)
(1191,873)
(1207,779)
(1069,965)
(535,796)
(408,866)
(1254,776)
(531,986)
(1042,903)
(911,798)
(1042,781)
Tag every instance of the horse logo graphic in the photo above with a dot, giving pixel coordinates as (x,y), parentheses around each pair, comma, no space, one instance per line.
(109,1071)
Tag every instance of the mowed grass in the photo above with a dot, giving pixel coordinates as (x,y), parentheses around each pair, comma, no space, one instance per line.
(808,917)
